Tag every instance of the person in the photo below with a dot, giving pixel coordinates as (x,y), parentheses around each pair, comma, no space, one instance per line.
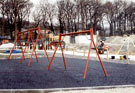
(101,47)
(102,44)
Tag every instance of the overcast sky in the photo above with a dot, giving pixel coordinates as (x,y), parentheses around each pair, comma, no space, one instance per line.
(53,1)
(37,1)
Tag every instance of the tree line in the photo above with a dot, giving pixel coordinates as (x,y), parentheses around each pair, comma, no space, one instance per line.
(69,15)
(13,15)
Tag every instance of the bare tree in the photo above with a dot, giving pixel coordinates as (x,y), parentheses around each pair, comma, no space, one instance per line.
(67,15)
(2,10)
(23,14)
(51,14)
(110,12)
(36,16)
(72,15)
(128,16)
(120,17)
(90,13)
(44,12)
(16,11)
(61,15)
(48,13)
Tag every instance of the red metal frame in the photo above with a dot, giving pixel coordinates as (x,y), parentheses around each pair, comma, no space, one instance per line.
(59,44)
(33,44)
(92,41)
(18,39)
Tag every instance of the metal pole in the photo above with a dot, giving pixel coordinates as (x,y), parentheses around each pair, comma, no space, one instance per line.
(44,49)
(25,49)
(62,52)
(33,49)
(86,66)
(98,54)
(13,47)
(33,44)
(21,48)
(54,54)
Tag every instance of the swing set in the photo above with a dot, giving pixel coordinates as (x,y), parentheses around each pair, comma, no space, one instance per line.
(29,32)
(59,44)
(91,42)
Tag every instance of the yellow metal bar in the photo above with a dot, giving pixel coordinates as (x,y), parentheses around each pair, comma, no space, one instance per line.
(127,51)
(120,49)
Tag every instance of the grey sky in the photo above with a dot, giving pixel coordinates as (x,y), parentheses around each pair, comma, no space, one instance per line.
(36,2)
(53,1)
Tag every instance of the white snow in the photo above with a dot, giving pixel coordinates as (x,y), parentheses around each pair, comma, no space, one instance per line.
(6,46)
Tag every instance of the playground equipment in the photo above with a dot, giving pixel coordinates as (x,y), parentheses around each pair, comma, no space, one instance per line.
(127,43)
(29,32)
(54,39)
(91,42)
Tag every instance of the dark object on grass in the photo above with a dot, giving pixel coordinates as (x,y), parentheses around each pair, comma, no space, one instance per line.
(112,57)
(125,57)
(101,51)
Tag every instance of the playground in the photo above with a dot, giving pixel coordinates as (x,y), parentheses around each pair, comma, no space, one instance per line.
(62,68)
(20,76)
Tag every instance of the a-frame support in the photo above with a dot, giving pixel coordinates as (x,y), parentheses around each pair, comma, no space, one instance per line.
(91,42)
(33,44)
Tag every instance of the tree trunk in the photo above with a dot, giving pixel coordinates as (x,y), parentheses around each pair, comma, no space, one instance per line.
(3,26)
(78,22)
(51,27)
(61,26)
(11,31)
(19,26)
(75,26)
(114,28)
(111,29)
(134,26)
(11,34)
(68,25)
(131,27)
(2,29)
(16,30)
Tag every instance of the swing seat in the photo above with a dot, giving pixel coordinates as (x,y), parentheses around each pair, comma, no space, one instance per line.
(100,48)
